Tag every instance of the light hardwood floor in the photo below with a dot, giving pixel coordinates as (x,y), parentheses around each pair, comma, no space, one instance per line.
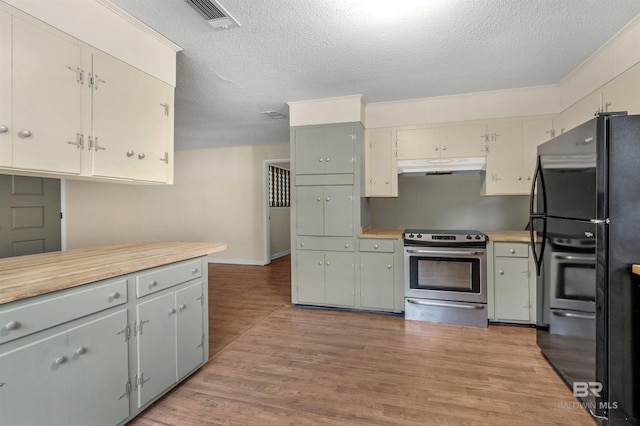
(274,364)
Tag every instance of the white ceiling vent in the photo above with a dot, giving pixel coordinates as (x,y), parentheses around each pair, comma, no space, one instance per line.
(214,13)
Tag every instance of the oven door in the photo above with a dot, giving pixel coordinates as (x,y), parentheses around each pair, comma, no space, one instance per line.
(443,273)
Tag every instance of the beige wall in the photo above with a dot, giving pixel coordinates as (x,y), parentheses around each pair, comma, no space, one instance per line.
(280,231)
(217,196)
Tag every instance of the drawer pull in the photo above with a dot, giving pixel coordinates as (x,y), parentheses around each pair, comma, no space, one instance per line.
(113,296)
(11,325)
(182,307)
(375,246)
(301,244)
(320,263)
(512,251)
(153,283)
(81,350)
(388,266)
(346,245)
(60,360)
(501,272)
(194,271)
(172,311)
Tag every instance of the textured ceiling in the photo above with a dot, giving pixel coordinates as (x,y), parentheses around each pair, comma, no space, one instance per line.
(290,50)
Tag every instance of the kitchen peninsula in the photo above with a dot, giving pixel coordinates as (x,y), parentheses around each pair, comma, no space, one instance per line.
(94,336)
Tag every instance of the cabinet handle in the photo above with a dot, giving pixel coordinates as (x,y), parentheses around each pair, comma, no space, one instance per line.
(501,272)
(3,128)
(81,350)
(113,296)
(388,266)
(141,156)
(327,263)
(346,245)
(11,325)
(519,177)
(435,148)
(172,311)
(327,160)
(153,283)
(301,244)
(194,271)
(375,246)
(320,160)
(24,134)
(60,360)
(512,251)
(444,148)
(328,199)
(182,307)
(130,153)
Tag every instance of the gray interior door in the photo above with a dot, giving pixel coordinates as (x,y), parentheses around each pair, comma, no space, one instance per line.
(29,215)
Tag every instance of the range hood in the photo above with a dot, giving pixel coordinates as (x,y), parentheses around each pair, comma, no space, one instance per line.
(420,167)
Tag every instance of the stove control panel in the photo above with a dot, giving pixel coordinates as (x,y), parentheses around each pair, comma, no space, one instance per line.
(452,237)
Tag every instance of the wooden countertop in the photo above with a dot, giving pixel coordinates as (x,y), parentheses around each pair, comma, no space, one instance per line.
(508,236)
(635,269)
(368,232)
(36,274)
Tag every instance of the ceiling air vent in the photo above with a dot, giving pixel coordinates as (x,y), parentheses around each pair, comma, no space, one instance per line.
(214,13)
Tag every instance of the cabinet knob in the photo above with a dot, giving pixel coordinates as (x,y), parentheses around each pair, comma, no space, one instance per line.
(319,199)
(435,148)
(528,177)
(328,199)
(194,271)
(346,245)
(375,246)
(81,350)
(172,311)
(388,266)
(11,325)
(320,160)
(60,360)
(182,307)
(519,177)
(444,148)
(3,128)
(320,263)
(512,251)
(113,296)
(23,134)
(501,272)
(130,153)
(153,283)
(301,244)
(387,182)
(327,160)
(327,263)
(141,156)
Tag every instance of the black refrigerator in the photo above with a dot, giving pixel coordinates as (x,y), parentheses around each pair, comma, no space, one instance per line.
(585,235)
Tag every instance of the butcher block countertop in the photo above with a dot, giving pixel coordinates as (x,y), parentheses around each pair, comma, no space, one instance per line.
(36,274)
(636,269)
(368,232)
(508,236)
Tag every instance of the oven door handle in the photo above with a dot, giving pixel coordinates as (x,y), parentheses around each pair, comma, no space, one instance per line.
(446,253)
(445,304)
(573,257)
(572,315)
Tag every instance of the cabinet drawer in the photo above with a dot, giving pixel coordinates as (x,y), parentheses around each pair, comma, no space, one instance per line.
(333,244)
(26,317)
(511,250)
(167,276)
(386,246)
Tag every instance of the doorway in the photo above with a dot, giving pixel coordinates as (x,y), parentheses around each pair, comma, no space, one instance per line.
(30,215)
(277,211)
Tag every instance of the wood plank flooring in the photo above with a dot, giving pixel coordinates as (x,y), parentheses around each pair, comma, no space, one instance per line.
(274,364)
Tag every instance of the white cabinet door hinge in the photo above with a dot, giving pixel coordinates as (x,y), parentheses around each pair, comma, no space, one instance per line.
(137,326)
(140,380)
(126,331)
(201,341)
(201,299)
(127,389)
(165,159)
(166,109)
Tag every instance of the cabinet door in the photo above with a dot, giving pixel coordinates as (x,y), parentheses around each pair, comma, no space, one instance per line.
(382,167)
(99,360)
(463,141)
(418,143)
(35,383)
(309,146)
(310,267)
(152,130)
(376,281)
(534,133)
(338,210)
(156,346)
(116,111)
(46,99)
(310,210)
(6,128)
(339,155)
(623,92)
(340,278)
(504,160)
(190,333)
(512,289)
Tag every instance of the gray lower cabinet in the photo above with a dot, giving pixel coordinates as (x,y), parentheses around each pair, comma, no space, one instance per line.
(87,364)
(100,353)
(513,283)
(326,278)
(377,287)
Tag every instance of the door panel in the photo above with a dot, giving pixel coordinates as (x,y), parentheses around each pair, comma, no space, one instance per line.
(189,329)
(382,165)
(44,64)
(338,149)
(418,143)
(504,160)
(310,267)
(6,145)
(310,210)
(99,358)
(340,278)
(376,281)
(338,210)
(29,215)
(309,144)
(463,141)
(156,346)
(512,289)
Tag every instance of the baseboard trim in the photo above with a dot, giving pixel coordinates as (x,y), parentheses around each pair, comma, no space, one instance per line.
(281,254)
(237,261)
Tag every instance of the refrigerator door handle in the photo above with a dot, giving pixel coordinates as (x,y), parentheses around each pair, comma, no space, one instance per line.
(533,216)
(532,236)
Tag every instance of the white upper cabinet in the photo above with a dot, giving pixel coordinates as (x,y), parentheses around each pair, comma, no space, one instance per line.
(418,143)
(463,141)
(381,168)
(46,98)
(6,124)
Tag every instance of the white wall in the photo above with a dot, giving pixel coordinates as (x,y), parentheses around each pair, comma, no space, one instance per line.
(217,196)
(280,231)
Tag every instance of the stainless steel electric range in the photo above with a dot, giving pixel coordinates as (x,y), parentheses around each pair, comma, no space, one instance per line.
(446,276)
